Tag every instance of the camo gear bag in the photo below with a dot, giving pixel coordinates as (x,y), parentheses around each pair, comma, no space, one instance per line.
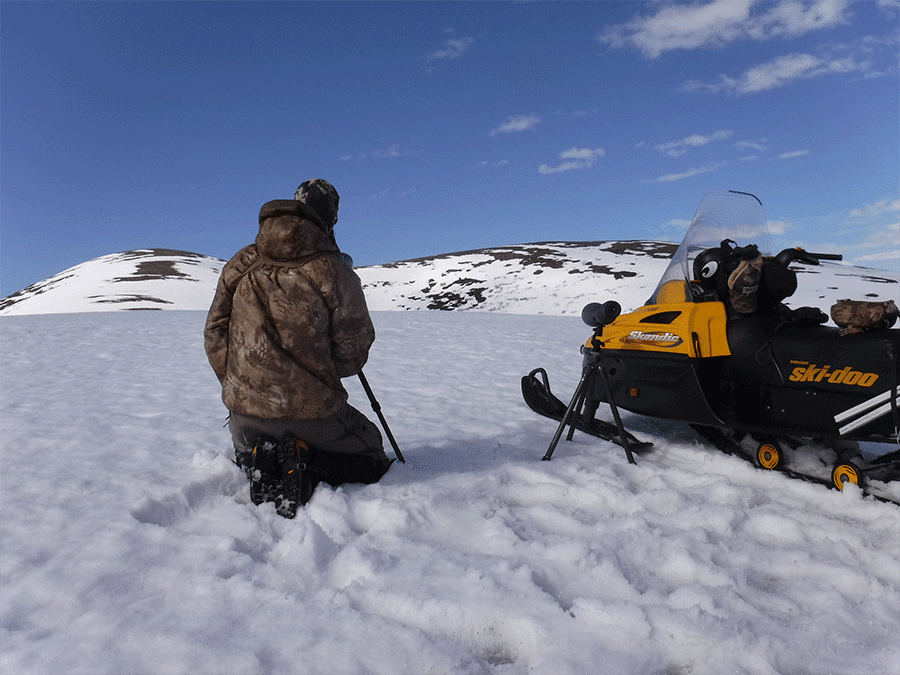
(859,316)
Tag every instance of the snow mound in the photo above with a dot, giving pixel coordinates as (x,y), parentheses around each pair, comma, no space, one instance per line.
(141,279)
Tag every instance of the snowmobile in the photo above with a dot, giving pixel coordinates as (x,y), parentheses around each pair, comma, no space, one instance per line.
(717,348)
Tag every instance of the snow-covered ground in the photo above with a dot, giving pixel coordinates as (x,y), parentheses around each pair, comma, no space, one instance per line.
(129,544)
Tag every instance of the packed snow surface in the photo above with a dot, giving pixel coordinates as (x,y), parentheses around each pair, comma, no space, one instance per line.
(129,544)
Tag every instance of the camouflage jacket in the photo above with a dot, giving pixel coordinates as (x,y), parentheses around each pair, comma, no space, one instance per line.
(288,320)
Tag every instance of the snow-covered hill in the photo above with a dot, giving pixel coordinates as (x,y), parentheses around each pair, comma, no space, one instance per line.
(554,278)
(560,278)
(142,279)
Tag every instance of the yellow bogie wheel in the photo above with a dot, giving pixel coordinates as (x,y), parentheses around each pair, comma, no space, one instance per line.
(845,473)
(769,456)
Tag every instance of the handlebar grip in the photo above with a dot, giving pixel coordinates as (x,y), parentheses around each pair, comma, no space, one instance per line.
(789,255)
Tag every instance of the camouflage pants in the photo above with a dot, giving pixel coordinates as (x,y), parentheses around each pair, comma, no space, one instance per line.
(348,432)
(344,448)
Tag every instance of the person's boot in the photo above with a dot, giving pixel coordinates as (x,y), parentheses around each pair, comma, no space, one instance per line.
(244,461)
(296,483)
(265,471)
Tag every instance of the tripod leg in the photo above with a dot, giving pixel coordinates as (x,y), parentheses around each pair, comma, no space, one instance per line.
(576,414)
(590,410)
(615,411)
(579,390)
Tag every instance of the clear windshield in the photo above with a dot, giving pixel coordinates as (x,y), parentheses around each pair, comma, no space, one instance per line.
(721,215)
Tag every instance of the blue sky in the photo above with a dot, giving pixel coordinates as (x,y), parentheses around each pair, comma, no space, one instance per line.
(445,126)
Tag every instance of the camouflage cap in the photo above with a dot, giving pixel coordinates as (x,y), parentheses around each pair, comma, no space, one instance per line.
(320,195)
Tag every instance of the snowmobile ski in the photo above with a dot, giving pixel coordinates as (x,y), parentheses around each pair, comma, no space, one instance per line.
(538,397)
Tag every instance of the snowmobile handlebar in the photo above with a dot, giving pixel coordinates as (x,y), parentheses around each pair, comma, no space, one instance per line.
(789,255)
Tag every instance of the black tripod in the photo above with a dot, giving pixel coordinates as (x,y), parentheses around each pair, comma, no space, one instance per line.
(591,372)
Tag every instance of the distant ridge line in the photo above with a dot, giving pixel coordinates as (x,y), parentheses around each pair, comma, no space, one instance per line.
(664,249)
(546,277)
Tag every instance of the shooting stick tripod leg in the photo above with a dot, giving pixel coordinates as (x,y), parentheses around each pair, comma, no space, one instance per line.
(578,396)
(576,413)
(615,411)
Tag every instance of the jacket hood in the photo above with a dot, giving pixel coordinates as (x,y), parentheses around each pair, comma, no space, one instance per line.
(289,230)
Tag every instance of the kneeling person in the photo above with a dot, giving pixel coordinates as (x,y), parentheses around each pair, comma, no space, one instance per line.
(288,321)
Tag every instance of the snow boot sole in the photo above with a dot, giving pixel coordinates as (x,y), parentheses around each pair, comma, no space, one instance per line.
(279,472)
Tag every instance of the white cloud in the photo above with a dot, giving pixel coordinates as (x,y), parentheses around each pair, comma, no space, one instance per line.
(517,123)
(794,154)
(882,237)
(785,69)
(874,229)
(493,165)
(881,255)
(452,49)
(392,152)
(874,210)
(778,227)
(712,166)
(720,22)
(776,73)
(679,147)
(678,224)
(779,72)
(759,144)
(575,158)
